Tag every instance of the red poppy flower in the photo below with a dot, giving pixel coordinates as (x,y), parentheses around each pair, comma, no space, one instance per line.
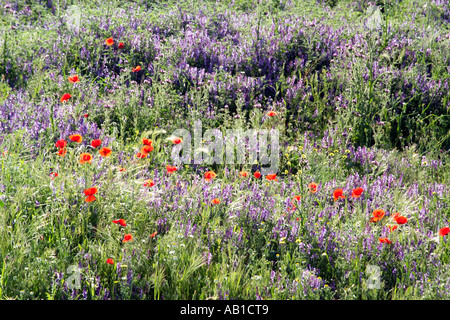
(121,222)
(109,42)
(105,152)
(121,45)
(384,240)
(154,234)
(65,97)
(400,219)
(138,68)
(338,194)
(86,115)
(271,113)
(210,175)
(90,191)
(378,214)
(122,169)
(177,140)
(76,138)
(96,143)
(444,231)
(297,198)
(61,144)
(392,228)
(215,201)
(127,237)
(171,169)
(110,261)
(146,149)
(312,187)
(149,183)
(74,79)
(4,153)
(85,157)
(53,175)
(257,175)
(90,194)
(147,142)
(272,177)
(243,174)
(141,155)
(356,193)
(62,152)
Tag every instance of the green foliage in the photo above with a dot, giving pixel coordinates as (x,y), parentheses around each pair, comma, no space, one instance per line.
(184,247)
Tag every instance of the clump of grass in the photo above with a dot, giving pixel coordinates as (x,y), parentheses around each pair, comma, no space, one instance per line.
(364,107)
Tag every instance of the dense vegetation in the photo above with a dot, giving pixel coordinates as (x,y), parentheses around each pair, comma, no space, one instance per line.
(360,95)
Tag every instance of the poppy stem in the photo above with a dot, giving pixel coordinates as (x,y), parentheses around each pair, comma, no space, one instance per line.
(85,177)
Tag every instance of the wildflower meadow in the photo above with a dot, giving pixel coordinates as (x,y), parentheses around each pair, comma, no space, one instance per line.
(224,150)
